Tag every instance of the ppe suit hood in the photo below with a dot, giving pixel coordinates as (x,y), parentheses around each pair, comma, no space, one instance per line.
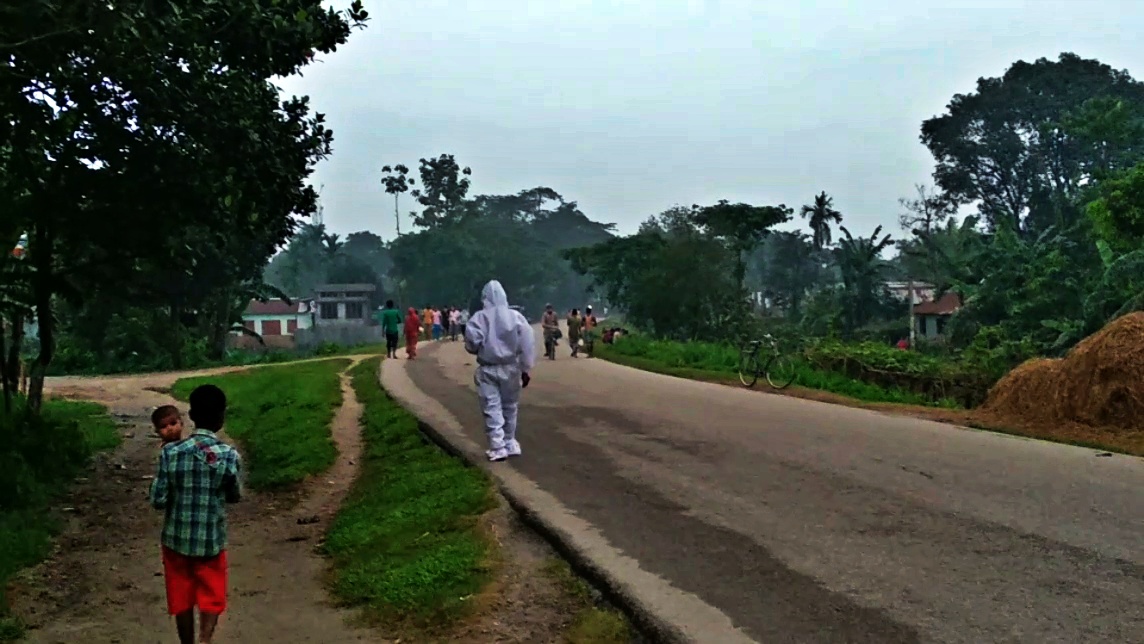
(493,295)
(497,334)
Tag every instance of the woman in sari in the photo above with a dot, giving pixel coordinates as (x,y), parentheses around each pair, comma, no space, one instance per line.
(412,332)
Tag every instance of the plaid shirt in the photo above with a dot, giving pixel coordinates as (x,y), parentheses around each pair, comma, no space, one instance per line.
(197,478)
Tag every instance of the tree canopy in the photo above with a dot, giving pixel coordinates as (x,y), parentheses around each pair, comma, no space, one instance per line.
(176,174)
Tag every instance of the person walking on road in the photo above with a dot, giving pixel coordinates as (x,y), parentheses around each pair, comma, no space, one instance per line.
(391,325)
(589,331)
(550,324)
(462,320)
(505,347)
(412,333)
(427,322)
(574,324)
(454,326)
(438,329)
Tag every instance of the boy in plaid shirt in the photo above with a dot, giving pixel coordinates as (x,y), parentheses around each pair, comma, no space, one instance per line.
(197,477)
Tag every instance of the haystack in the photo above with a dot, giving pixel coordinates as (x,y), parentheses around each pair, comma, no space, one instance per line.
(1099,383)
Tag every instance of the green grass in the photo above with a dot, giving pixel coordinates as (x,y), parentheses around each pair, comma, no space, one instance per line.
(710,361)
(593,624)
(406,545)
(76,362)
(38,461)
(281,417)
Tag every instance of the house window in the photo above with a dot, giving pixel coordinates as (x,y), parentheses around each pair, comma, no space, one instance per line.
(329,310)
(249,324)
(271,327)
(941,324)
(291,327)
(355,311)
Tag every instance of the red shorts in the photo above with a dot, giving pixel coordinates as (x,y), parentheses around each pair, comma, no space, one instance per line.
(195,581)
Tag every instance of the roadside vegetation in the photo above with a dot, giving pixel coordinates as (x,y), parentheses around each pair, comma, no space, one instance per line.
(720,362)
(281,417)
(40,456)
(406,545)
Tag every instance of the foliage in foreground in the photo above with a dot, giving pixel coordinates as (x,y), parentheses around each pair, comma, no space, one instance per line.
(710,359)
(281,417)
(39,457)
(406,545)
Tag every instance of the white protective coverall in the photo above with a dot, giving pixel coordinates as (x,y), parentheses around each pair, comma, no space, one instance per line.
(505,347)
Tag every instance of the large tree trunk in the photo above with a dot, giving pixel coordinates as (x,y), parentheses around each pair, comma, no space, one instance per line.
(39,369)
(11,359)
(5,380)
(42,259)
(219,321)
(176,347)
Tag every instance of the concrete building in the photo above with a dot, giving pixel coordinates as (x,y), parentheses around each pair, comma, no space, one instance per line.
(343,304)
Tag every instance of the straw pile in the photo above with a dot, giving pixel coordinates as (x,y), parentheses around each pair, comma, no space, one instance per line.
(1099,383)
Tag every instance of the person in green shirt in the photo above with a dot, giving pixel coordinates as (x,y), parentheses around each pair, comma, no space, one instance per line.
(391,325)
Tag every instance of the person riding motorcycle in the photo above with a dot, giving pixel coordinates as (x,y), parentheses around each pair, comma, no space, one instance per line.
(550,324)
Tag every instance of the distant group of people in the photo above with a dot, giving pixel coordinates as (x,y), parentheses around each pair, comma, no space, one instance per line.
(436,323)
(582,331)
(430,323)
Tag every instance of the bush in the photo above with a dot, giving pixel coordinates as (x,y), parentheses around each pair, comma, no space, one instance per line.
(694,359)
(934,378)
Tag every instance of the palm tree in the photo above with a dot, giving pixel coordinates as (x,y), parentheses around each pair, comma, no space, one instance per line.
(862,267)
(821,215)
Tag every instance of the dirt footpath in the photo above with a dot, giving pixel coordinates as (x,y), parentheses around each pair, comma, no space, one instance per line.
(103,582)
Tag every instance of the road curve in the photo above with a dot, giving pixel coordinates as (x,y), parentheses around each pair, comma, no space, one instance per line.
(808,522)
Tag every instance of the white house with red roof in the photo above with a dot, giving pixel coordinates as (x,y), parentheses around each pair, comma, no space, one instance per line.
(277,317)
(931,317)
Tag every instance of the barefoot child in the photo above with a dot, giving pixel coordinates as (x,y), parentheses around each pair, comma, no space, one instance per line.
(195,480)
(168,423)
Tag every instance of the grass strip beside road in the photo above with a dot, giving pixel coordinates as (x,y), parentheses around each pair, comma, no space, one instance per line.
(406,545)
(720,363)
(281,418)
(593,623)
(39,459)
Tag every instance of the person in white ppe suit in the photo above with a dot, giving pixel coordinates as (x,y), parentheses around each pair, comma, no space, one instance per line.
(505,347)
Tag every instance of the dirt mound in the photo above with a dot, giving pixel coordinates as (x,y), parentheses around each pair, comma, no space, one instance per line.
(1099,383)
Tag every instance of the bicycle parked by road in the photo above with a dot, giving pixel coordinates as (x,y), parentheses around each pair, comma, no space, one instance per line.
(763,358)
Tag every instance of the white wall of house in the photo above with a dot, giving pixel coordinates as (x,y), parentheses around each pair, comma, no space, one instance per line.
(928,326)
(259,322)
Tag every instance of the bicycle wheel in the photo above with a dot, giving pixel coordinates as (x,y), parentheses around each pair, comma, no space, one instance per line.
(749,367)
(780,372)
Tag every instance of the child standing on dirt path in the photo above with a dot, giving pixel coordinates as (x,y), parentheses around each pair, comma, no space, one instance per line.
(197,477)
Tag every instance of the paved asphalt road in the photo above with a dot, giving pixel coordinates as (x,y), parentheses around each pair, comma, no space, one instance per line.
(809,522)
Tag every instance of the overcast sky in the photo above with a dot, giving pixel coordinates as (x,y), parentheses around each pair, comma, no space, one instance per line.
(631,106)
